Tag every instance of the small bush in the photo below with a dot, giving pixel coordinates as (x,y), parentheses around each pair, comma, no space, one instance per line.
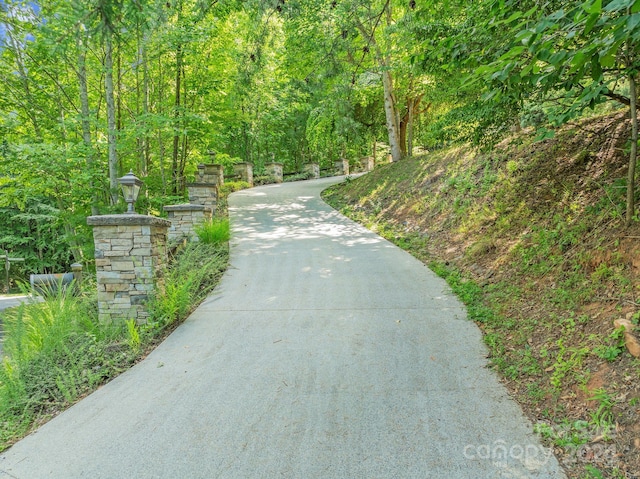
(214,232)
(307,175)
(231,186)
(192,276)
(264,180)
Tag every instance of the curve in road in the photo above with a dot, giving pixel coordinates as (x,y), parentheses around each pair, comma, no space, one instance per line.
(325,352)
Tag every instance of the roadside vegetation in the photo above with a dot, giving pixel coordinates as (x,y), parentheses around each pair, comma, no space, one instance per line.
(57,351)
(531,236)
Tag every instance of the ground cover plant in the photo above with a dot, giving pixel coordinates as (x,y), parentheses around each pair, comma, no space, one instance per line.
(55,352)
(532,237)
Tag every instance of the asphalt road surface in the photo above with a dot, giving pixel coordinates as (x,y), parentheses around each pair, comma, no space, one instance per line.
(326,352)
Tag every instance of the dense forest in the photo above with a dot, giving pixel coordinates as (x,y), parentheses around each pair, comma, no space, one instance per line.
(94,88)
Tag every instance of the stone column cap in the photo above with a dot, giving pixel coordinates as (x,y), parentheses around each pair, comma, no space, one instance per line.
(186,207)
(127,220)
(210,185)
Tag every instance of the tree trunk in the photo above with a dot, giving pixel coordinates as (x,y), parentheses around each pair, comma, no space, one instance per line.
(390,109)
(145,108)
(111,118)
(177,125)
(390,115)
(85,112)
(412,106)
(22,70)
(633,155)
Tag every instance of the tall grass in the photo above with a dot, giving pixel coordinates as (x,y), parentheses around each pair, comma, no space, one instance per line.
(192,276)
(56,351)
(215,232)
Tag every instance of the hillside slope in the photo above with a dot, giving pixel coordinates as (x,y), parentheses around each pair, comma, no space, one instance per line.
(531,236)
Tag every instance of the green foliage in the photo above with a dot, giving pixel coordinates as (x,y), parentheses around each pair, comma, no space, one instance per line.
(214,232)
(56,351)
(232,186)
(192,276)
(613,348)
(264,180)
(603,415)
(308,175)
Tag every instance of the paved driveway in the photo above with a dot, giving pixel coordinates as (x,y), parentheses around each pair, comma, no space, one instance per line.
(11,301)
(326,352)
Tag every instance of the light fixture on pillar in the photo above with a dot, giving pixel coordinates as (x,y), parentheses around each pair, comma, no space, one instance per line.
(212,155)
(130,189)
(201,172)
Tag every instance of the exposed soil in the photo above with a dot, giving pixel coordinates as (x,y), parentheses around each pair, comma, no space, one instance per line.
(538,226)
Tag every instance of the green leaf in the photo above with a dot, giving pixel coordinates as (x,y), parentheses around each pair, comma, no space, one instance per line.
(558,58)
(513,17)
(608,59)
(596,69)
(557,15)
(636,7)
(544,134)
(618,5)
(633,21)
(593,7)
(514,52)
(593,18)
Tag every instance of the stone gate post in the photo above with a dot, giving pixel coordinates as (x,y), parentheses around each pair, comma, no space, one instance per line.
(131,257)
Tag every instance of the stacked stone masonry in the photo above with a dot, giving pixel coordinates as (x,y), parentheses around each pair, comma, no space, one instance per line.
(130,255)
(341,167)
(184,219)
(244,171)
(313,169)
(205,194)
(276,170)
(213,174)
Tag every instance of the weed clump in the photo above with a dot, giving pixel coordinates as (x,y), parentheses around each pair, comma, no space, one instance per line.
(215,232)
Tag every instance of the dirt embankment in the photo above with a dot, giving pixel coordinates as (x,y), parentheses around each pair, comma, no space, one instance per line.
(531,235)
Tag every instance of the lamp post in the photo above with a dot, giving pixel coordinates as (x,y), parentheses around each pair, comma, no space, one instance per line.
(201,172)
(130,189)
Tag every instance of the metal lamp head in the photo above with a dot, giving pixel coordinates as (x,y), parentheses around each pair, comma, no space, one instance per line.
(130,189)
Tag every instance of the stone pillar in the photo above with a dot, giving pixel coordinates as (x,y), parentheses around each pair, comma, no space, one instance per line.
(245,171)
(184,219)
(369,163)
(276,170)
(313,168)
(341,166)
(213,174)
(205,194)
(131,255)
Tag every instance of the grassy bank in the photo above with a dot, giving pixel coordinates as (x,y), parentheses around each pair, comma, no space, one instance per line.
(531,237)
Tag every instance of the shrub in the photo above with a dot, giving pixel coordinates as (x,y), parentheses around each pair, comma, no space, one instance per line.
(192,276)
(231,186)
(307,175)
(214,232)
(264,180)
